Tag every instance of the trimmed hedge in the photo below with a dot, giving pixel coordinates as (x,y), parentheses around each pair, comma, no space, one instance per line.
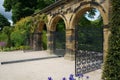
(112,63)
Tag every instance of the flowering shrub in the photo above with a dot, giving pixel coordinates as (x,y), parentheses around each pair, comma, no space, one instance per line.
(2,44)
(71,77)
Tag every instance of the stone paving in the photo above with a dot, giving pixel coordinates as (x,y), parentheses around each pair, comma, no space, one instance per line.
(40,69)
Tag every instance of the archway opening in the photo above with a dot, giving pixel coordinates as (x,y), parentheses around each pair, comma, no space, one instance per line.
(90,32)
(60,38)
(89,41)
(44,37)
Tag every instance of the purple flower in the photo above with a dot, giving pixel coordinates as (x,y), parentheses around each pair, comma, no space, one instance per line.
(87,77)
(71,77)
(64,78)
(80,75)
(2,44)
(49,78)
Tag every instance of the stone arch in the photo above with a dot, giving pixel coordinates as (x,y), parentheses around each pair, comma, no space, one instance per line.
(37,36)
(80,11)
(41,26)
(52,32)
(70,11)
(54,20)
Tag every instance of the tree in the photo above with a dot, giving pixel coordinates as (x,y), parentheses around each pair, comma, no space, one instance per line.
(112,62)
(21,33)
(8,30)
(3,22)
(20,8)
(43,3)
(91,13)
(23,8)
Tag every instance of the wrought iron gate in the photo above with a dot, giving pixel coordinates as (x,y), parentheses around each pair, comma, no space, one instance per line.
(87,59)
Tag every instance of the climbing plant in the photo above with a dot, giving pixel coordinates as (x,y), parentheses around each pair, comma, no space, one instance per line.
(24,28)
(37,19)
(112,62)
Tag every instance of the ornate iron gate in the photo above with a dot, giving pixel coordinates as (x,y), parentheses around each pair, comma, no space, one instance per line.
(87,59)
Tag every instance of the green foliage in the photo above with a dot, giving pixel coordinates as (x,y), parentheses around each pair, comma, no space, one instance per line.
(24,24)
(15,48)
(60,35)
(18,38)
(23,8)
(44,39)
(90,35)
(37,19)
(3,37)
(91,13)
(8,30)
(21,32)
(3,22)
(84,21)
(60,26)
(112,62)
(20,8)
(43,3)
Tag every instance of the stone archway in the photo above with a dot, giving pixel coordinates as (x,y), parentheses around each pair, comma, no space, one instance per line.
(69,11)
(37,37)
(105,26)
(86,65)
(52,34)
(54,20)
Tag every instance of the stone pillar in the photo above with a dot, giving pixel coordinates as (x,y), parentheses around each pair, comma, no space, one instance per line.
(37,41)
(106,33)
(31,40)
(51,43)
(70,44)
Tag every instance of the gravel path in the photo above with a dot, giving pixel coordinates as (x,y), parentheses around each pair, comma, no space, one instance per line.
(38,69)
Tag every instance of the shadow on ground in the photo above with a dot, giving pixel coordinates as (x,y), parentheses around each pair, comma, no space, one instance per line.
(26,60)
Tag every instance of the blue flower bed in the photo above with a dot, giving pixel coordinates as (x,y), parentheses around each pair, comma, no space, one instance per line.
(72,77)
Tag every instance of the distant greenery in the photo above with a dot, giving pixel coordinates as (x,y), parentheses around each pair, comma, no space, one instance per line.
(3,37)
(44,39)
(15,36)
(21,32)
(3,22)
(60,35)
(18,36)
(7,30)
(112,61)
(90,35)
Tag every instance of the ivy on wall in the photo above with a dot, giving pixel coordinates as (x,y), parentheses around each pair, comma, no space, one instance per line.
(37,19)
